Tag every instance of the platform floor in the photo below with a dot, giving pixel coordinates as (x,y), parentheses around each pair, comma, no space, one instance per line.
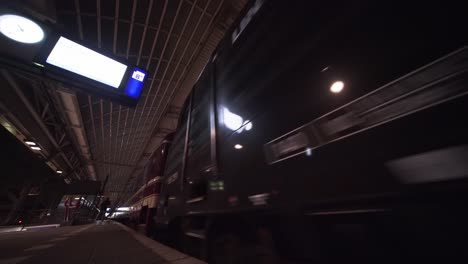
(97,243)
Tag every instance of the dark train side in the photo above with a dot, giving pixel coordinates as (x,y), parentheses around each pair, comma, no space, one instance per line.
(325,132)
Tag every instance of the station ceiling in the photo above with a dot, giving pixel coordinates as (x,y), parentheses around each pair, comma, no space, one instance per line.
(172,39)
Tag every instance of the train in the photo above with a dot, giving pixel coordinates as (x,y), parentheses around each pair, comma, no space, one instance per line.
(141,206)
(325,132)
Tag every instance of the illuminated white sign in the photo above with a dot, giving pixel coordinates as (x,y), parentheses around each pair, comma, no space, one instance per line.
(138,75)
(78,59)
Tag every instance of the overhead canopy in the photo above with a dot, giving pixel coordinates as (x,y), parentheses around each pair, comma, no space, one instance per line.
(89,137)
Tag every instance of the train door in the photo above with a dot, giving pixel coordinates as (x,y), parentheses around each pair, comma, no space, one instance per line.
(171,198)
(200,163)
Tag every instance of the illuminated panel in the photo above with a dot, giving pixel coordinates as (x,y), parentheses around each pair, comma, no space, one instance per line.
(78,59)
(135,82)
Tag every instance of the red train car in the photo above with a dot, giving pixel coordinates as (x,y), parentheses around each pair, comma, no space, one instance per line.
(144,202)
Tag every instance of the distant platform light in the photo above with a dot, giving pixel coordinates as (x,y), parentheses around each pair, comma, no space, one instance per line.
(337,87)
(29,142)
(308,152)
(238,146)
(21,29)
(59,171)
(35,148)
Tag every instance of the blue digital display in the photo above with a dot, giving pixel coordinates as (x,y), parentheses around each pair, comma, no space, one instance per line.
(135,83)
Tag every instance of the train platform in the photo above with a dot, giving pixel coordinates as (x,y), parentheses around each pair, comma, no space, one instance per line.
(105,243)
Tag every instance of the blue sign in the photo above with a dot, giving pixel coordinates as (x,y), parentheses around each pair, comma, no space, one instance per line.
(135,83)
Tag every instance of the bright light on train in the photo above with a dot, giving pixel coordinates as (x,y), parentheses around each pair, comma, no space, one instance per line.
(337,87)
(235,122)
(248,125)
(231,120)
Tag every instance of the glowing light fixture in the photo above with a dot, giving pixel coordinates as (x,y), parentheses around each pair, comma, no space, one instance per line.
(308,152)
(30,143)
(59,171)
(20,29)
(231,120)
(35,148)
(238,146)
(236,122)
(337,87)
(78,59)
(248,125)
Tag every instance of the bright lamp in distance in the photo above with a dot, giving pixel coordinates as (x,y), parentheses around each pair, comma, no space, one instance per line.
(337,87)
(78,59)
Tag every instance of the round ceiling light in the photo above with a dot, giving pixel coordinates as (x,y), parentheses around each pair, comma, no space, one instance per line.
(238,146)
(337,87)
(21,29)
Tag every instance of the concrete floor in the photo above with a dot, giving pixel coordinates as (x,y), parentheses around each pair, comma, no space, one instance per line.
(105,243)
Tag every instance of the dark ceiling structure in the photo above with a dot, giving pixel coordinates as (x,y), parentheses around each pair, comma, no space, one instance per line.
(90,138)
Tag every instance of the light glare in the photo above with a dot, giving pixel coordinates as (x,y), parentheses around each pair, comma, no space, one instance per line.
(337,87)
(59,171)
(78,59)
(35,148)
(231,120)
(248,126)
(238,146)
(31,143)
